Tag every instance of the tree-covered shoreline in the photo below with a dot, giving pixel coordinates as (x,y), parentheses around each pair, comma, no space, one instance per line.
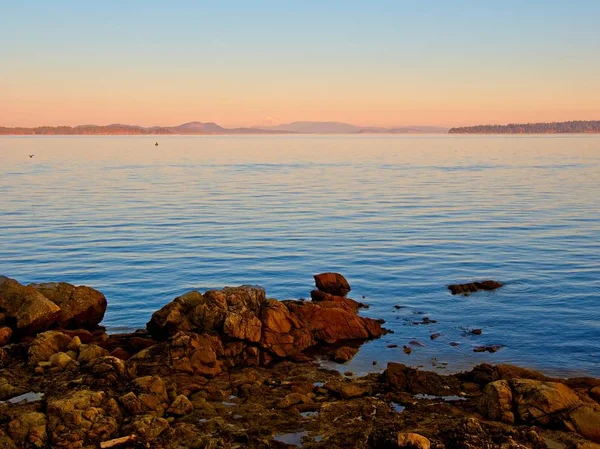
(579,126)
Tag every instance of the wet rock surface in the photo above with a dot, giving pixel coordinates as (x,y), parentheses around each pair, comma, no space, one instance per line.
(472,287)
(228,369)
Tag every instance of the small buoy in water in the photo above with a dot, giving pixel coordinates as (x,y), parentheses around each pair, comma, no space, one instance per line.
(31,155)
(156,144)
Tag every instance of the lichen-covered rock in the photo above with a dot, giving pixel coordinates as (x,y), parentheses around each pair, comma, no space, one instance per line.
(28,309)
(181,406)
(332,283)
(147,427)
(497,402)
(152,394)
(87,353)
(346,390)
(80,307)
(185,354)
(293,399)
(209,313)
(61,360)
(536,401)
(7,390)
(46,344)
(29,430)
(410,440)
(82,417)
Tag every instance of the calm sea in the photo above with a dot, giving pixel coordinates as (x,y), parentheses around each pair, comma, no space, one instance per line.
(400,216)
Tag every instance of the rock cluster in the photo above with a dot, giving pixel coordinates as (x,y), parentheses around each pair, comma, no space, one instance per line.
(225,369)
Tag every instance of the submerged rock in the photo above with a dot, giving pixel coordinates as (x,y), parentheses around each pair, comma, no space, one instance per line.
(472,287)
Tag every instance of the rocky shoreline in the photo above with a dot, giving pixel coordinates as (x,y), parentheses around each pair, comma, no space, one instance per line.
(232,368)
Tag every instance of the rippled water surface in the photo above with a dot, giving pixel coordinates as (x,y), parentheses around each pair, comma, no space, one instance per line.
(400,216)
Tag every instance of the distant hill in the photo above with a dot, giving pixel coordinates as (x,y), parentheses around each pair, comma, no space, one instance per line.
(202,128)
(307,127)
(592,126)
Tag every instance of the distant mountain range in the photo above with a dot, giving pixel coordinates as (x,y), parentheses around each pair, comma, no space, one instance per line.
(210,128)
(581,126)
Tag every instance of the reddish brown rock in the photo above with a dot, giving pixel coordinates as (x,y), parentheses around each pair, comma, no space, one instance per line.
(319,296)
(497,402)
(332,322)
(5,334)
(332,283)
(282,332)
(80,307)
(46,344)
(28,311)
(343,354)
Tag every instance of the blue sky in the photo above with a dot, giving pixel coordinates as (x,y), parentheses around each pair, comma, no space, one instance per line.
(245,63)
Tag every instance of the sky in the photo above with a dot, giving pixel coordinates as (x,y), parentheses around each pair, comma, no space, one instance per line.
(253,63)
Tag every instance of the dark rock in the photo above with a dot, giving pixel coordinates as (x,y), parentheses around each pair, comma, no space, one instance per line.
(435,336)
(343,354)
(5,334)
(457,289)
(400,377)
(319,296)
(487,348)
(476,331)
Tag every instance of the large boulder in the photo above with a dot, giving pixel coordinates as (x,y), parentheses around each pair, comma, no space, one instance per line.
(25,309)
(536,401)
(497,402)
(80,307)
(232,311)
(586,421)
(332,283)
(82,417)
(332,322)
(282,332)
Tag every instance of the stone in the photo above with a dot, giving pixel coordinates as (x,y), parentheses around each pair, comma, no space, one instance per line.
(46,344)
(410,440)
(346,390)
(497,402)
(181,406)
(82,417)
(186,354)
(595,394)
(5,334)
(319,296)
(74,344)
(208,313)
(29,430)
(120,353)
(343,354)
(147,427)
(472,287)
(435,336)
(293,399)
(108,371)
(80,307)
(586,420)
(535,401)
(152,393)
(282,332)
(8,391)
(332,283)
(60,360)
(29,310)
(87,353)
(331,322)
(400,377)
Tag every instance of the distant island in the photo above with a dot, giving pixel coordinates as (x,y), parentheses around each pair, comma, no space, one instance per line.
(210,128)
(590,126)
